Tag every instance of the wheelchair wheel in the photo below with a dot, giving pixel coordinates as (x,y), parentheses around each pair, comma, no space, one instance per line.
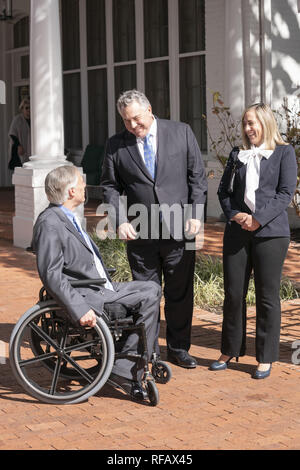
(152,392)
(161,371)
(57,362)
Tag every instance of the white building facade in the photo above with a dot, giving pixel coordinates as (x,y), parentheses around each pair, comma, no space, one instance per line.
(177,51)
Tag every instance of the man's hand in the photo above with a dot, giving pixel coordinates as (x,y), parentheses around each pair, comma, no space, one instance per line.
(89,319)
(192,226)
(126,232)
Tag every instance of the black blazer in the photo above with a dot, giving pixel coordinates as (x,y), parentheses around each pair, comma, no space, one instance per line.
(278,179)
(180,176)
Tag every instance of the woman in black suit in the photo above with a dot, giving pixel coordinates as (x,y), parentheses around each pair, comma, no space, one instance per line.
(256,188)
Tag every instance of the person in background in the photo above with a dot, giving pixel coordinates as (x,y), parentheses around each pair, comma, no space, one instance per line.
(19,135)
(256,188)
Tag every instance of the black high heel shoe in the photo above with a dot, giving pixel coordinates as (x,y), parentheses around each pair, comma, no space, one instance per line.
(217,365)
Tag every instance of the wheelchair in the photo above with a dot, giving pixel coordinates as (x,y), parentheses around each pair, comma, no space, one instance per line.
(58,362)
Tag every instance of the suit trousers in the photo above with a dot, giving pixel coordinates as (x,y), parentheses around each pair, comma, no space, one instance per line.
(242,254)
(130,294)
(168,259)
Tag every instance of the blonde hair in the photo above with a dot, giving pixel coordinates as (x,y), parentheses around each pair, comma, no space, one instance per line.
(59,181)
(271,134)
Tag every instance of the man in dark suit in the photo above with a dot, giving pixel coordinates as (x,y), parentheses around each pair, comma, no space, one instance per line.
(65,252)
(157,164)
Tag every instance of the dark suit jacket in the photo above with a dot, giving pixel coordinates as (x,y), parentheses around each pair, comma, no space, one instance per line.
(62,255)
(278,179)
(180,177)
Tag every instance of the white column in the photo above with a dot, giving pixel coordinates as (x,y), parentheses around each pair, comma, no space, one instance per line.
(234,68)
(47,134)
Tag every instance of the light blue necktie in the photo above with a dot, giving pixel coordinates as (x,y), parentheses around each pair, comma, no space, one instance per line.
(149,156)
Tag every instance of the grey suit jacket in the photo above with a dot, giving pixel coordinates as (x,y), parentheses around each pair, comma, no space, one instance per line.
(180,176)
(62,255)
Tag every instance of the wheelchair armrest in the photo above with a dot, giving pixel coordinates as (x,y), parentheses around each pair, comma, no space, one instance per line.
(111,270)
(86,282)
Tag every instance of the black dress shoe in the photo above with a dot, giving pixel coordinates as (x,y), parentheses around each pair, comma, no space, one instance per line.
(182,359)
(132,388)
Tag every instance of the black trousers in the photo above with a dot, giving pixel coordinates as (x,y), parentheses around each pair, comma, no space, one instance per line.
(168,258)
(242,254)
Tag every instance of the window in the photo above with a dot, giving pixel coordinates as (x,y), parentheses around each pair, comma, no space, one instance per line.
(97,94)
(110,46)
(72,111)
(156,28)
(123,30)
(70,34)
(96,32)
(21,33)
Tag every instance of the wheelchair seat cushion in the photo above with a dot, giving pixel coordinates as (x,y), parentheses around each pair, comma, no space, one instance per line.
(115,311)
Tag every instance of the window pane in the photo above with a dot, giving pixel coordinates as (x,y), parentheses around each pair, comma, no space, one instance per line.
(191,25)
(21,33)
(72,111)
(97,85)
(156,28)
(70,34)
(125,79)
(95,28)
(193,96)
(124,30)
(157,87)
(24,66)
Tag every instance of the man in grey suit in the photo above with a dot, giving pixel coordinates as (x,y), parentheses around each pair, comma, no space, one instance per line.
(65,252)
(157,164)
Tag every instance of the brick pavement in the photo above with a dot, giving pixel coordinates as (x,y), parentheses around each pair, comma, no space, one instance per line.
(198,409)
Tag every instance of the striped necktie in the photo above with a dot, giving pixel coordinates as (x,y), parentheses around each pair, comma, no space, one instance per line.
(149,156)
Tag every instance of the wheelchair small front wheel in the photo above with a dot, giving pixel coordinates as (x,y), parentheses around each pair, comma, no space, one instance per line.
(161,371)
(152,392)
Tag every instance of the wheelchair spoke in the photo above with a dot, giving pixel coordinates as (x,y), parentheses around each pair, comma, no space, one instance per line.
(42,357)
(79,369)
(43,335)
(55,376)
(79,346)
(59,361)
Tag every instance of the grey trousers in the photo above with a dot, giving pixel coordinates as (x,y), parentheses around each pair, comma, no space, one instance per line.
(130,294)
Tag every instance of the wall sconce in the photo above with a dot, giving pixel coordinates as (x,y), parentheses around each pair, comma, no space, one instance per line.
(6,11)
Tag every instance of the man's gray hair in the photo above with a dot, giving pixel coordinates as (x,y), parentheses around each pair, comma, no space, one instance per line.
(59,181)
(129,96)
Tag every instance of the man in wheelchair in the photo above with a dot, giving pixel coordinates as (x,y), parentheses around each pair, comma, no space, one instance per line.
(65,253)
